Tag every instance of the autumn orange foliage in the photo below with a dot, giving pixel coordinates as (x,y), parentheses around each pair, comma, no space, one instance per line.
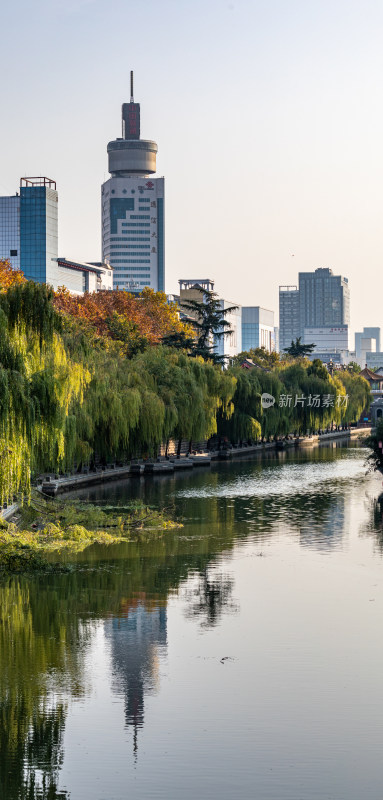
(8,276)
(150,313)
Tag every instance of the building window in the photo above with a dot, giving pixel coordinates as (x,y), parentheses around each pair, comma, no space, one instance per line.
(13,252)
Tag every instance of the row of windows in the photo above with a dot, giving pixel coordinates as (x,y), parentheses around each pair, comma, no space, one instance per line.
(114,239)
(135,225)
(120,270)
(138,216)
(127,283)
(131,261)
(114,247)
(144,199)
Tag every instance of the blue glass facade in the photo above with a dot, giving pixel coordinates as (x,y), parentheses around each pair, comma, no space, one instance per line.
(250,336)
(257,328)
(33,250)
(38,233)
(118,208)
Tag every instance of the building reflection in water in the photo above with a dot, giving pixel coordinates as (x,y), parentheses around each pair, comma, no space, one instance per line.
(324,523)
(138,638)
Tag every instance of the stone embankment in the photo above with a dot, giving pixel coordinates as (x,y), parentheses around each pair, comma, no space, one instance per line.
(57,484)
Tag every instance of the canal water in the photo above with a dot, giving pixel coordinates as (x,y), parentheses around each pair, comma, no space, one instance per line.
(238,657)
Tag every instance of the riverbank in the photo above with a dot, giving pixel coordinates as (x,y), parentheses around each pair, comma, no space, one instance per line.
(54,485)
(46,527)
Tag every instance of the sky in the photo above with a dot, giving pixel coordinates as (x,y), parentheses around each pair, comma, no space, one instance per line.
(268,118)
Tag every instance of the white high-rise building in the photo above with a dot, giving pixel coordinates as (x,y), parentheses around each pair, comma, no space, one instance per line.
(133,208)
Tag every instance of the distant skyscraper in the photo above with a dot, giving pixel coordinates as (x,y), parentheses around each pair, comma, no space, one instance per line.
(133,208)
(367,333)
(289,324)
(318,310)
(324,299)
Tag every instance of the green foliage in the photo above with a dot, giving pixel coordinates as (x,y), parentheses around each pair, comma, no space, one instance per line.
(359,395)
(128,332)
(353,367)
(67,395)
(260,356)
(299,350)
(318,368)
(209,320)
(294,387)
(375,458)
(54,526)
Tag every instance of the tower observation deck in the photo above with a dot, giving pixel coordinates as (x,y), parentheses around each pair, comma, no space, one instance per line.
(130,155)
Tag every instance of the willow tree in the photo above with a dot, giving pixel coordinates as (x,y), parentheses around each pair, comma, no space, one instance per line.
(39,386)
(358,394)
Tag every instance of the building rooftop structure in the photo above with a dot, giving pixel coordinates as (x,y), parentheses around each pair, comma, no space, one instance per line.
(94,276)
(39,180)
(370,376)
(374,379)
(197,283)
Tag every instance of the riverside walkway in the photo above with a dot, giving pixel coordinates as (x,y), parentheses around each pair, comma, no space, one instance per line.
(57,484)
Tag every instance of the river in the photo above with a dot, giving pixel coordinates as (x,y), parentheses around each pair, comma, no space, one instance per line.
(238,657)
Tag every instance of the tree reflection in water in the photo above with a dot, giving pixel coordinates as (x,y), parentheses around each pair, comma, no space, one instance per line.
(47,624)
(210,597)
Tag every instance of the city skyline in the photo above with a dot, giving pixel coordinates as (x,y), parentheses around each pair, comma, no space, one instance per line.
(268,121)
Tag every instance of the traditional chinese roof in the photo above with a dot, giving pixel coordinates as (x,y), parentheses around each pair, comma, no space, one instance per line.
(248,363)
(370,376)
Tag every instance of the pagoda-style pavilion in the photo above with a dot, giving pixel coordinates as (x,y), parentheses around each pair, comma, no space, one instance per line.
(375,380)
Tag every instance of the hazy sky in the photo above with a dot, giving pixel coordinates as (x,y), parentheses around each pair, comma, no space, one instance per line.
(267,114)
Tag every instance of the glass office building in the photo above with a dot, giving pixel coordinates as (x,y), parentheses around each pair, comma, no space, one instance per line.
(39,229)
(10,230)
(257,328)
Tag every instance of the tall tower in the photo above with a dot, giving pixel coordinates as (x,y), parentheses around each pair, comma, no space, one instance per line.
(133,208)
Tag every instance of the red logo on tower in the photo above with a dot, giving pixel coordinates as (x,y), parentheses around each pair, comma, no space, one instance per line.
(149,185)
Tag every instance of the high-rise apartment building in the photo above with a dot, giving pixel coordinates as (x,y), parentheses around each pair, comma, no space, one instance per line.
(133,208)
(324,299)
(289,321)
(318,310)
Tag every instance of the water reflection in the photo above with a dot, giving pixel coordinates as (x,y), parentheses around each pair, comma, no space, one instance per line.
(208,596)
(47,627)
(138,639)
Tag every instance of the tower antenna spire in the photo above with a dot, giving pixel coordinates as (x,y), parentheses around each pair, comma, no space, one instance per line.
(131,87)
